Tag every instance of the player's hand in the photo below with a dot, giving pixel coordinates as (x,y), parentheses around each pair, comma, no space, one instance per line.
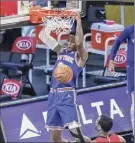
(78,17)
(111,66)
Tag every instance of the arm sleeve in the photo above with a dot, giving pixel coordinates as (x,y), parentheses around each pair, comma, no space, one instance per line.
(45,37)
(122,38)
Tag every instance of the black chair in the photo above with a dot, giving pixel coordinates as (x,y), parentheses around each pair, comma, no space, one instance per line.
(16,81)
(120,69)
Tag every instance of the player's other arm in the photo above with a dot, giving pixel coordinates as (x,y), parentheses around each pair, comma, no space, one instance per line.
(52,44)
(122,38)
(82,54)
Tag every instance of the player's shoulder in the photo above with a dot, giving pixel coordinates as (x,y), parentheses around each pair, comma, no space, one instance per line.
(130,28)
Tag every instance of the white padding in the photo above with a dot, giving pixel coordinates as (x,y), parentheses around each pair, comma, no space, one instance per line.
(45,37)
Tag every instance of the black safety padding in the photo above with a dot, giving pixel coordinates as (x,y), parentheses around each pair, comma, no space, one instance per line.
(108,79)
(5,98)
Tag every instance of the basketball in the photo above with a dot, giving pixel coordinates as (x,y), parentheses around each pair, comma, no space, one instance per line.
(63,73)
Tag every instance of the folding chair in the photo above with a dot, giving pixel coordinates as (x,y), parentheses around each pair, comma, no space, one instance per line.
(16,81)
(120,62)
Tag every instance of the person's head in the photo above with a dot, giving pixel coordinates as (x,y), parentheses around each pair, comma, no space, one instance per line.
(104,123)
(71,45)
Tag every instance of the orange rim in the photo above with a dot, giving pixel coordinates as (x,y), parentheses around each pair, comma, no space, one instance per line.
(36,13)
(45,12)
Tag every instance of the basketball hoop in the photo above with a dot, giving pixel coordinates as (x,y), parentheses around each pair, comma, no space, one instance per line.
(55,20)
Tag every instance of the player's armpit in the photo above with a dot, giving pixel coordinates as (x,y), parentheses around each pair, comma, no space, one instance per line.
(82,53)
(81,57)
(122,140)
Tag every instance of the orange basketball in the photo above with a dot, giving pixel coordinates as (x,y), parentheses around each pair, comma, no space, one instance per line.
(63,73)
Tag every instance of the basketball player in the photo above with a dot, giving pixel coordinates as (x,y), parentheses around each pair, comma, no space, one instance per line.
(103,125)
(62,107)
(127,34)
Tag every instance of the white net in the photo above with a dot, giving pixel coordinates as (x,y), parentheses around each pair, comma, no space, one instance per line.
(58,24)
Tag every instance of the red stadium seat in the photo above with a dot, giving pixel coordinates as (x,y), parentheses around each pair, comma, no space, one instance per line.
(120,68)
(16,72)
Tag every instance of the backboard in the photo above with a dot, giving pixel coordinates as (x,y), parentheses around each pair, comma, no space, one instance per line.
(67,4)
(24,6)
(15,13)
(19,10)
(21,7)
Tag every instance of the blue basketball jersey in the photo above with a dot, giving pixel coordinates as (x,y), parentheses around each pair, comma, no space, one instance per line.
(68,58)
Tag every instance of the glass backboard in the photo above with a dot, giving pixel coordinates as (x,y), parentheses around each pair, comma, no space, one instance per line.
(19,10)
(67,4)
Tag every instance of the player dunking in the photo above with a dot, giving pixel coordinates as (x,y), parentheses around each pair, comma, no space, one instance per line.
(62,107)
(126,35)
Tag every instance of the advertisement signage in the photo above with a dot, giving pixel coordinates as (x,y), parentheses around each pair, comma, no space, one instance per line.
(25,122)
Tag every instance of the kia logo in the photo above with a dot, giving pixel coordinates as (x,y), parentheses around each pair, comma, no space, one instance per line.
(23,44)
(120,58)
(10,88)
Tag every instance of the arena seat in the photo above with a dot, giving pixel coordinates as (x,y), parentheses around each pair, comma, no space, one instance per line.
(120,68)
(108,79)
(16,81)
(101,76)
(5,98)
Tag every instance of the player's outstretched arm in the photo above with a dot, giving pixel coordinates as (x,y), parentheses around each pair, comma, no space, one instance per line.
(122,38)
(79,37)
(52,44)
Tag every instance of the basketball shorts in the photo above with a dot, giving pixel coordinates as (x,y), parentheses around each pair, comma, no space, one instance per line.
(62,109)
(130,77)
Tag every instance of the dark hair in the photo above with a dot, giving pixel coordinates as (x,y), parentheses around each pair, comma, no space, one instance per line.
(106,123)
